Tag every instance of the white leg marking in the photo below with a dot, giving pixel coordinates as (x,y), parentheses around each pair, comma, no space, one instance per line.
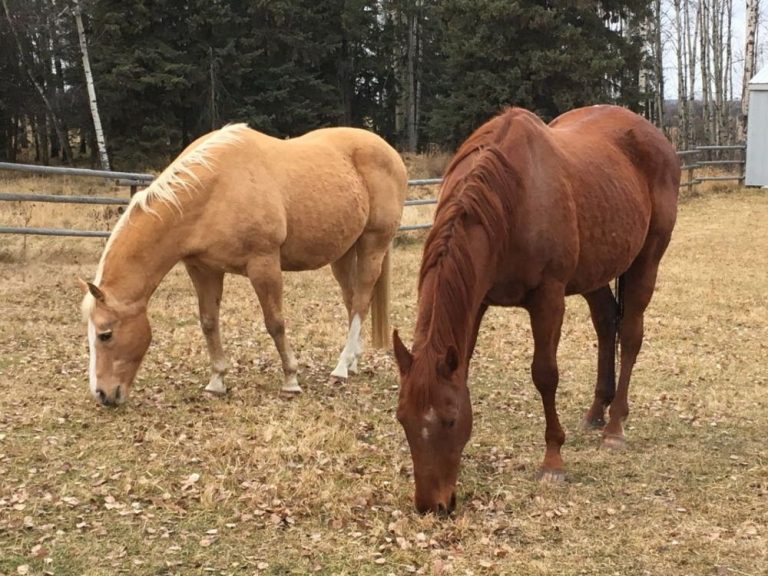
(351,350)
(291,382)
(216,385)
(358,351)
(92,357)
(291,385)
(219,368)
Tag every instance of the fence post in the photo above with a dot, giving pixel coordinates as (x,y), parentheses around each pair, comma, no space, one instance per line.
(690,178)
(134,188)
(742,166)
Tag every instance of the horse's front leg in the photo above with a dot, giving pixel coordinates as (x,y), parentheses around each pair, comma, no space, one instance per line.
(546,308)
(209,285)
(267,280)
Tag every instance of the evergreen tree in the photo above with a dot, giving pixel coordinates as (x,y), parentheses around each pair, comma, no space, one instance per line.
(542,55)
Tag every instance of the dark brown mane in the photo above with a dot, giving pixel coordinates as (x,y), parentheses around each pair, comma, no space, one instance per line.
(484,198)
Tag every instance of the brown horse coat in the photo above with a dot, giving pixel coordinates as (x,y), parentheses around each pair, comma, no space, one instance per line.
(528,214)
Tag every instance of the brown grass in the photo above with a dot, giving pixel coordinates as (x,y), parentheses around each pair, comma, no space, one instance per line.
(177,482)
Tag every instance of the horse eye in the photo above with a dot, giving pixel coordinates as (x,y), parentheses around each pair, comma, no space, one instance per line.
(104,336)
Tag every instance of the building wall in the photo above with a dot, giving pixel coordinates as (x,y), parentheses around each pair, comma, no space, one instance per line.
(757,137)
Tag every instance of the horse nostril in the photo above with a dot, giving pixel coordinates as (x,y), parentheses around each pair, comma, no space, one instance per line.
(452,503)
(442,510)
(102,396)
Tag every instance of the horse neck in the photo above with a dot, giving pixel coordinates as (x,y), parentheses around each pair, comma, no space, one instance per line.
(451,294)
(143,249)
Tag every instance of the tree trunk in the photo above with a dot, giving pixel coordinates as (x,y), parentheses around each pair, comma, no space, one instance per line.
(704,40)
(691,41)
(750,61)
(658,65)
(410,88)
(716,46)
(682,89)
(52,113)
(100,140)
(212,73)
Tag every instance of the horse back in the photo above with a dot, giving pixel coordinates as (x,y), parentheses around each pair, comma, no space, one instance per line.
(622,176)
(593,189)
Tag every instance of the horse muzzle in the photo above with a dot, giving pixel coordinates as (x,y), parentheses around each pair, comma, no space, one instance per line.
(441,506)
(110,399)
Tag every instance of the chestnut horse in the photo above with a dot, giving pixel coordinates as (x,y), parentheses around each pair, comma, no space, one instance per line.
(529,214)
(237,201)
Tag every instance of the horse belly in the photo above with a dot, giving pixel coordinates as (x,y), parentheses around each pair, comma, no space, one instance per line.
(324,225)
(611,236)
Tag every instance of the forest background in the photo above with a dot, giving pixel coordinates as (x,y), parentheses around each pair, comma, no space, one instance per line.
(422,73)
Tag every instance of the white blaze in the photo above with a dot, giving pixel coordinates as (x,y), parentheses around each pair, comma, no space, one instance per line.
(429,418)
(431,415)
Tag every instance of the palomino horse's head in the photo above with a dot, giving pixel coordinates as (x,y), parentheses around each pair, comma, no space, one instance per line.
(435,411)
(118,338)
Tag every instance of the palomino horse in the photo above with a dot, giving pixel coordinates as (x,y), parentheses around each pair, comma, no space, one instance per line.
(242,202)
(529,214)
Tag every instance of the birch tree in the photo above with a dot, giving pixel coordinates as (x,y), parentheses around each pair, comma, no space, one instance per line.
(683,108)
(750,62)
(691,42)
(39,88)
(99,131)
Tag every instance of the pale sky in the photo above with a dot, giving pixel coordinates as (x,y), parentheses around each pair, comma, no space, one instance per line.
(739,30)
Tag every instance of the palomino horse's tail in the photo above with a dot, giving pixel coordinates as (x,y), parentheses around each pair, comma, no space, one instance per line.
(380,305)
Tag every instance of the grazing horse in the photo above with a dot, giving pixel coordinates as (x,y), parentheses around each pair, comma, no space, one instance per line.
(238,201)
(529,214)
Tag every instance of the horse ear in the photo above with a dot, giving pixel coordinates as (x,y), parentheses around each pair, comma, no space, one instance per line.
(402,355)
(450,363)
(96,292)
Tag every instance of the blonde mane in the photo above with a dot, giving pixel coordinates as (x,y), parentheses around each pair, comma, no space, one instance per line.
(178,176)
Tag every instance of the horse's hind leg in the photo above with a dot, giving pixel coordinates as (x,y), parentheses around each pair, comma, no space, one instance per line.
(602,307)
(345,272)
(209,285)
(370,250)
(267,280)
(639,283)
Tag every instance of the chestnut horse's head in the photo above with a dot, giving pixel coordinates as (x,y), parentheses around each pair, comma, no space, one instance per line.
(118,338)
(435,411)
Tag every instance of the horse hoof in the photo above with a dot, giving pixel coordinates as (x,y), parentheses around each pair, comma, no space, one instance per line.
(614,442)
(291,386)
(216,388)
(550,476)
(593,424)
(339,375)
(337,380)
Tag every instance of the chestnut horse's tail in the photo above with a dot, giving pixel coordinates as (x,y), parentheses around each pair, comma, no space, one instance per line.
(380,304)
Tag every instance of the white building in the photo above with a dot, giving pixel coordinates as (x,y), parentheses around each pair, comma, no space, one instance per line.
(757,131)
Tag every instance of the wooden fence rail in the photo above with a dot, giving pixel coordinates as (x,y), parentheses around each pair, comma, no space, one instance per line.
(694,159)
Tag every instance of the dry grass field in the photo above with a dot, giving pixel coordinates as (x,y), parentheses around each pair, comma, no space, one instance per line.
(178,482)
